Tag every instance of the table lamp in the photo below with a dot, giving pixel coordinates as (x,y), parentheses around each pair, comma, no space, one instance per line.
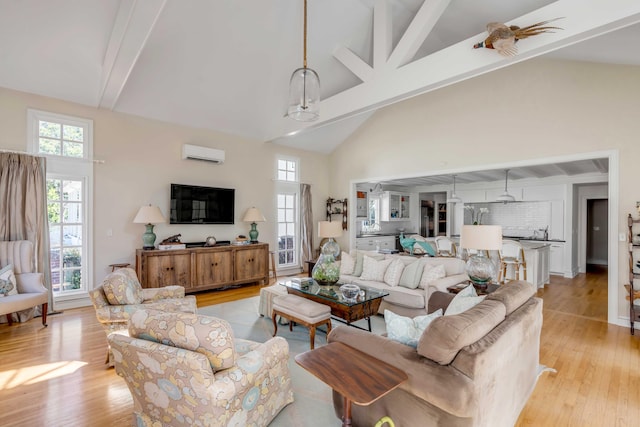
(149,215)
(481,238)
(330,230)
(253,216)
(327,271)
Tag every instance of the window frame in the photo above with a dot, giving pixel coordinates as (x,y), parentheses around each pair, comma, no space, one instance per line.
(288,187)
(75,169)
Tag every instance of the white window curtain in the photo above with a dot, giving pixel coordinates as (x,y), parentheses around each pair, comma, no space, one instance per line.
(306,224)
(23,207)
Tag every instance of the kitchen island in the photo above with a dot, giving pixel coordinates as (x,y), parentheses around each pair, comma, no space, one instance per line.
(536,255)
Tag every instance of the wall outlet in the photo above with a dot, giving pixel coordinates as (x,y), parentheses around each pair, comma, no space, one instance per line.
(622,237)
(109,232)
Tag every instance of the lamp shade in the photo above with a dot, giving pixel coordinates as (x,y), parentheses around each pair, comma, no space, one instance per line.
(253,214)
(329,229)
(149,215)
(481,237)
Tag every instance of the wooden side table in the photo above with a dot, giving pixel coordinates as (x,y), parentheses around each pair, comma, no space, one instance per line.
(357,376)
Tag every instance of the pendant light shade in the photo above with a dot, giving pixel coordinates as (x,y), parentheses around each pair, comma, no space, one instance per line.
(454,197)
(304,87)
(506,197)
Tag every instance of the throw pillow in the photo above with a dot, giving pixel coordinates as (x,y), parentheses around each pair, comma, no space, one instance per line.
(8,281)
(463,301)
(374,270)
(405,329)
(347,264)
(122,287)
(359,257)
(430,273)
(411,275)
(394,272)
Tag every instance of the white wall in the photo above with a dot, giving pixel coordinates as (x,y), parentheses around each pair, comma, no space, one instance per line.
(538,109)
(143,157)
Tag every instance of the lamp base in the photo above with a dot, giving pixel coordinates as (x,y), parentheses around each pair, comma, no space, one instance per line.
(148,238)
(480,270)
(253,233)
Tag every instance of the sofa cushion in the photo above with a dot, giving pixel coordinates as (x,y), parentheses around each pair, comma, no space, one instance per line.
(373,269)
(347,263)
(411,275)
(447,335)
(430,273)
(394,272)
(513,294)
(463,301)
(210,336)
(359,257)
(8,281)
(407,330)
(122,287)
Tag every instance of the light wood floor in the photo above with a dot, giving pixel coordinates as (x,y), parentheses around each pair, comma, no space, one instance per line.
(56,376)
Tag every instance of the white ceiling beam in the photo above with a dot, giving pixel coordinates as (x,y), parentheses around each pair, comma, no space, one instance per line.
(354,63)
(420,27)
(131,30)
(584,19)
(382,33)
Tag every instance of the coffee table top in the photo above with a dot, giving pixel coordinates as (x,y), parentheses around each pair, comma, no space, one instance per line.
(332,293)
(359,377)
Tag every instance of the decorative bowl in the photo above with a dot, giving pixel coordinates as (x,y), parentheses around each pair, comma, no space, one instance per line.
(350,292)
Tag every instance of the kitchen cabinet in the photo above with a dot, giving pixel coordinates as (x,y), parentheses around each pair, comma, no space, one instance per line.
(395,206)
(556,258)
(375,243)
(361,204)
(556,224)
(543,192)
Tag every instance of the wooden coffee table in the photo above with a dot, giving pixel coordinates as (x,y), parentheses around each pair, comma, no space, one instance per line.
(358,377)
(347,311)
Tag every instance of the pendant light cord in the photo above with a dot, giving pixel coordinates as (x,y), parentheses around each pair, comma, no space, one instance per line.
(304,62)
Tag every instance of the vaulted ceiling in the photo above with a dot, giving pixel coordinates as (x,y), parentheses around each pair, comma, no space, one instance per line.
(225,64)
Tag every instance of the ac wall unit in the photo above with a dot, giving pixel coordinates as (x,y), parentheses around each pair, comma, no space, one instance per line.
(195,152)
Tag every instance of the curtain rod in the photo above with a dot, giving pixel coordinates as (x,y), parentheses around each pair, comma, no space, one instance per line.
(4,150)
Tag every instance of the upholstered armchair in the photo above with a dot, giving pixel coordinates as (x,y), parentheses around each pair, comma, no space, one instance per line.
(120,295)
(189,370)
(22,288)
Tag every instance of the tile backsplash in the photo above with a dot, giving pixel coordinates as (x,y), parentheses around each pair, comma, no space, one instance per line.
(519,219)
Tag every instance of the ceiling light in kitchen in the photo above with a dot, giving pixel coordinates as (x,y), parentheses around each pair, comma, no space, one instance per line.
(506,197)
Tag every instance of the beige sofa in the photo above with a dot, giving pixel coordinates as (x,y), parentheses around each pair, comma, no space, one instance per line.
(476,368)
(403,300)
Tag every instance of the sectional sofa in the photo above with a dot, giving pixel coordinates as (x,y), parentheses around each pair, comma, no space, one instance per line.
(408,280)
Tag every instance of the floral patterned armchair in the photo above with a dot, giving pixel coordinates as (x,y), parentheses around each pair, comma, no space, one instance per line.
(189,370)
(120,295)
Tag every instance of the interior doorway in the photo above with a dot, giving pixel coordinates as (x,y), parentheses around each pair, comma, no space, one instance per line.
(597,225)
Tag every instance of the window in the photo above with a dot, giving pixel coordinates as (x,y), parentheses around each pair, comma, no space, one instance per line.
(287,170)
(287,236)
(287,195)
(67,143)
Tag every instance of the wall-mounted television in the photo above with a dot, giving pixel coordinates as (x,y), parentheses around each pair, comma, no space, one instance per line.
(192,204)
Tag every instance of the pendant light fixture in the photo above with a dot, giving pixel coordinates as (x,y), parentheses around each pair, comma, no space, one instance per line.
(506,197)
(304,87)
(454,197)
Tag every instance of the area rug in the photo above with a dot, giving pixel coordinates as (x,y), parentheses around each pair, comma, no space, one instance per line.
(313,405)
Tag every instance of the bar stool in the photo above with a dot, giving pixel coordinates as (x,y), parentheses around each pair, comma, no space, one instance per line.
(446,248)
(512,254)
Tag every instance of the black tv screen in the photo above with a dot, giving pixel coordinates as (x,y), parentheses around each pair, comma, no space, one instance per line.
(191,204)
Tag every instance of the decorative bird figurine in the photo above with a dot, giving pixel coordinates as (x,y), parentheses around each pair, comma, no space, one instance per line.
(503,38)
(407,243)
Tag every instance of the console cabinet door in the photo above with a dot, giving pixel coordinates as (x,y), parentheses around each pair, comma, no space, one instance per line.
(251,264)
(214,268)
(167,270)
